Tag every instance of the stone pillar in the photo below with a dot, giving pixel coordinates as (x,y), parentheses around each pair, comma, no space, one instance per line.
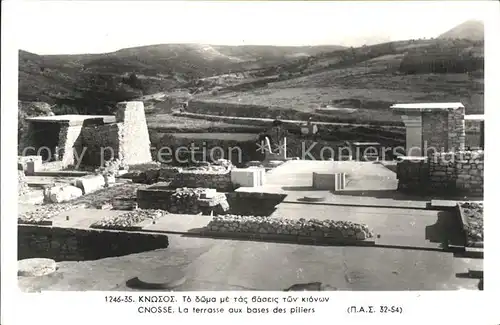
(134,142)
(456,128)
(413,124)
(433,127)
(69,135)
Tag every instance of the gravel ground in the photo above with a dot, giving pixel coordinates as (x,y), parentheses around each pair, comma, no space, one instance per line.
(93,200)
(45,213)
(474,214)
(106,195)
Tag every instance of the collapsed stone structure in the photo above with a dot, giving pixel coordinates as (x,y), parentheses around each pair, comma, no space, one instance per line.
(436,160)
(62,139)
(282,226)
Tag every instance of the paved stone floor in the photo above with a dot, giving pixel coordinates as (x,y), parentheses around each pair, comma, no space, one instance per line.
(215,264)
(396,227)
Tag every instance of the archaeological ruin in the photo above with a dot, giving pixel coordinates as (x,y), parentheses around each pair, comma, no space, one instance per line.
(437,160)
(60,139)
(86,203)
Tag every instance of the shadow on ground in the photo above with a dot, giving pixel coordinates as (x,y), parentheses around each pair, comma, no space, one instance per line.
(446,230)
(383,194)
(297,188)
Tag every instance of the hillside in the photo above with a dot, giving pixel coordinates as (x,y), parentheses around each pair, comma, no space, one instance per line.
(99,80)
(366,79)
(471,30)
(360,84)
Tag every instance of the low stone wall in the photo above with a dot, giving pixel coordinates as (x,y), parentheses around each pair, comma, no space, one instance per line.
(447,173)
(220,181)
(205,177)
(181,200)
(61,244)
(462,172)
(281,226)
(261,111)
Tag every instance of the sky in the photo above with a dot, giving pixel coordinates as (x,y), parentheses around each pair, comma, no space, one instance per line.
(70,27)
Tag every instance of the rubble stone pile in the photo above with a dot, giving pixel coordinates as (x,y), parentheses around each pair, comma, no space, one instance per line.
(112,168)
(124,203)
(191,201)
(22,187)
(45,212)
(129,219)
(59,194)
(216,175)
(301,227)
(474,228)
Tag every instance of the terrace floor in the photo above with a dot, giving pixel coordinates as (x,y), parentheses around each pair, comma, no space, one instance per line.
(215,264)
(409,255)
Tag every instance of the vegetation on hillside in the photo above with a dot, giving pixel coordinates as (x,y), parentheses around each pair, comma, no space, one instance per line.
(29,109)
(93,83)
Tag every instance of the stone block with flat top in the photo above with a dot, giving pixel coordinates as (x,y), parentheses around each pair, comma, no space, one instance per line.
(331,182)
(90,183)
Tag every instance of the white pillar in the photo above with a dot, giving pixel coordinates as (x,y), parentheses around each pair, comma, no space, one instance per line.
(413,125)
(282,148)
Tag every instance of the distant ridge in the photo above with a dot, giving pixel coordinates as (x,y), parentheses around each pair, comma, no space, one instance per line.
(471,30)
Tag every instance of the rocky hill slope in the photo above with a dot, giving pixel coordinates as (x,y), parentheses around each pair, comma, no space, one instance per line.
(472,30)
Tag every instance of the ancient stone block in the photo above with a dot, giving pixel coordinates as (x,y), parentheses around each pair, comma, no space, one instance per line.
(91,183)
(34,267)
(134,141)
(248,177)
(58,194)
(335,181)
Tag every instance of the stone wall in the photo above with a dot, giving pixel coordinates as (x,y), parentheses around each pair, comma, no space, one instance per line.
(181,200)
(261,111)
(456,129)
(126,140)
(100,142)
(435,130)
(218,180)
(443,130)
(462,172)
(444,173)
(63,244)
(281,226)
(178,177)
